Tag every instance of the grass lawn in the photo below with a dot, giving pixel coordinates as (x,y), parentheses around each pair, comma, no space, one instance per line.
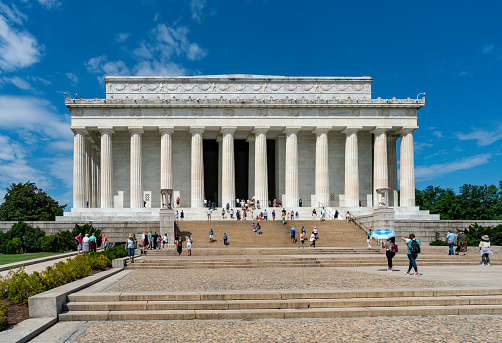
(11,258)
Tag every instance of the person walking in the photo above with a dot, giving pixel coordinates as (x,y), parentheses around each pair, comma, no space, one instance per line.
(253,227)
(258,227)
(209,214)
(302,239)
(164,242)
(104,242)
(179,244)
(149,240)
(283,215)
(273,214)
(211,233)
(78,239)
(293,235)
(314,213)
(189,245)
(130,248)
(86,247)
(312,239)
(225,239)
(143,242)
(369,238)
(92,243)
(461,243)
(484,250)
(182,215)
(391,250)
(451,240)
(265,214)
(412,250)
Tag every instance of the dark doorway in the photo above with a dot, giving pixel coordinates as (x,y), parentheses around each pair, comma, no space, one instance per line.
(210,169)
(271,168)
(241,157)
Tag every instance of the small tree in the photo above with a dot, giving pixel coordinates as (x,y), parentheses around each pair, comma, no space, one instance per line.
(27,202)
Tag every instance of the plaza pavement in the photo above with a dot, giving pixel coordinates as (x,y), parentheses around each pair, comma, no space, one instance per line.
(475,328)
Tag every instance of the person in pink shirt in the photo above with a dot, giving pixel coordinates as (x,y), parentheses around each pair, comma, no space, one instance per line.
(78,238)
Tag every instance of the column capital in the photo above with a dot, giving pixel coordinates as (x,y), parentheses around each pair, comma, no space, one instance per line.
(228,129)
(106,129)
(322,129)
(197,129)
(407,129)
(135,129)
(380,129)
(219,138)
(261,129)
(292,129)
(166,129)
(79,129)
(351,129)
(251,138)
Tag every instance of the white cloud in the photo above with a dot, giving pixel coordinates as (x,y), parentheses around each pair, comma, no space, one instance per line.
(13,14)
(197,6)
(438,134)
(483,137)
(18,48)
(16,81)
(423,173)
(49,3)
(62,168)
(33,115)
(419,146)
(487,48)
(154,57)
(122,37)
(73,78)
(15,166)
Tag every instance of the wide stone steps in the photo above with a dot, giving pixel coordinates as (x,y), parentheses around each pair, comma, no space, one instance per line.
(283,304)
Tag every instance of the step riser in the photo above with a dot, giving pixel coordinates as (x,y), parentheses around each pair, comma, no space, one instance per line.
(278,314)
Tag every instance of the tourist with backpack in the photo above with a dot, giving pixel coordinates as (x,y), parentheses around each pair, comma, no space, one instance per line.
(412,249)
(391,251)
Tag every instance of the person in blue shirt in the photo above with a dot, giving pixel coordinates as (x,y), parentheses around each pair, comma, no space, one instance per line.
(149,237)
(451,240)
(293,235)
(130,247)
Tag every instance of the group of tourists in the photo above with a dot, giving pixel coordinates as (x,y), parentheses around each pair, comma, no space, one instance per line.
(179,216)
(86,244)
(303,237)
(151,241)
(413,249)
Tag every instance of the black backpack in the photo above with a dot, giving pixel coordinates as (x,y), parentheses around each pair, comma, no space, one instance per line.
(414,247)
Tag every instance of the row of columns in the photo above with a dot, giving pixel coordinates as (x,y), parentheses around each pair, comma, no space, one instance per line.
(91,178)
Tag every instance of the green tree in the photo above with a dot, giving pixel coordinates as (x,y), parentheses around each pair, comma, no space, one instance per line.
(27,202)
(440,201)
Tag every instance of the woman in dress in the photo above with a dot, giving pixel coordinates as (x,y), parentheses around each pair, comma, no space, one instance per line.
(86,247)
(461,243)
(314,213)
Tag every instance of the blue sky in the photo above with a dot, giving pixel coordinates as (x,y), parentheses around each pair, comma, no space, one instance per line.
(450,50)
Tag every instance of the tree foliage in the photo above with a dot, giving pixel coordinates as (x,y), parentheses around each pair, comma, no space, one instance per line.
(471,203)
(27,202)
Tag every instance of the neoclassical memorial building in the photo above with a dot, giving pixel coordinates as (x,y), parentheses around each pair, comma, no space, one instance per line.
(324,140)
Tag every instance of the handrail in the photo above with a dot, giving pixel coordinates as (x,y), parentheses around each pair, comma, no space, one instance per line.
(359,223)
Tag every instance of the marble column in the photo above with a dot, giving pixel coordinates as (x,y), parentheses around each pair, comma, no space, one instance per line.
(106,184)
(407,166)
(392,168)
(321,167)
(88,172)
(351,167)
(94,177)
(380,171)
(166,153)
(292,190)
(197,168)
(219,139)
(136,180)
(79,170)
(260,165)
(251,141)
(228,167)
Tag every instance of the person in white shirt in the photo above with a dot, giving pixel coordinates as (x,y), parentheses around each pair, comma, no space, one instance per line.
(209,214)
(312,239)
(189,241)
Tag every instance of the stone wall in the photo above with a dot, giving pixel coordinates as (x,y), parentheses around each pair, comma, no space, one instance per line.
(115,231)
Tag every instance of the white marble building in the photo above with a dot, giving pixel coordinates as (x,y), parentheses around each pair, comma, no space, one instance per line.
(324,140)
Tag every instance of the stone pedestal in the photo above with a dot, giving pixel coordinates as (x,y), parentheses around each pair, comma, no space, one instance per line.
(383,218)
(167,224)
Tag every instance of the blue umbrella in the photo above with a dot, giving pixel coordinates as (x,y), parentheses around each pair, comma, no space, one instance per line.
(383,234)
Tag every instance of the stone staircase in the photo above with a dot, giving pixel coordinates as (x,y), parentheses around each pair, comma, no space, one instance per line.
(280,304)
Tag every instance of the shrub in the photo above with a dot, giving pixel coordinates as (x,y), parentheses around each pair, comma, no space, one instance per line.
(475,231)
(438,243)
(13,246)
(118,251)
(2,317)
(66,241)
(28,236)
(49,243)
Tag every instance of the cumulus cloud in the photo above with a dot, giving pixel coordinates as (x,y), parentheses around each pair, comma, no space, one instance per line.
(18,47)
(423,173)
(484,137)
